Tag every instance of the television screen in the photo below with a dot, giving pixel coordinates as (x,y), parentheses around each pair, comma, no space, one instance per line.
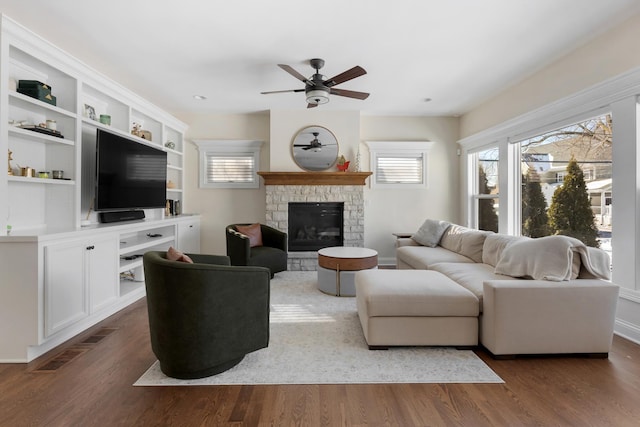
(130,175)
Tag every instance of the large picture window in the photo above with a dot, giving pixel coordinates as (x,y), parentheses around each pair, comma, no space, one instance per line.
(566,182)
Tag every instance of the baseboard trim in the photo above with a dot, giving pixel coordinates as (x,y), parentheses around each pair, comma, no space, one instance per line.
(627,331)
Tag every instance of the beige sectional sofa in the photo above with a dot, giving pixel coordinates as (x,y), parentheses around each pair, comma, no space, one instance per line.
(513,295)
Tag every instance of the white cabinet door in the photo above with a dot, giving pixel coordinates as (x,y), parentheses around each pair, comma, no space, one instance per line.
(65,295)
(189,236)
(102,266)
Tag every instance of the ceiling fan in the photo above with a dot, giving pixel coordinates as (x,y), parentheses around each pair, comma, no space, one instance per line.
(314,144)
(318,87)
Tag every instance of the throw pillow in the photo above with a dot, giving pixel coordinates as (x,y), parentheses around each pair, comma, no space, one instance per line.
(175,255)
(430,232)
(254,233)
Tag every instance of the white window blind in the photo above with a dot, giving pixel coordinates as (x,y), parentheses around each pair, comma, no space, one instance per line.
(230,168)
(229,163)
(399,164)
(397,169)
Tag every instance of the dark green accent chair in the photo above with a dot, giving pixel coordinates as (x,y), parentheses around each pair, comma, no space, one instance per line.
(206,316)
(272,254)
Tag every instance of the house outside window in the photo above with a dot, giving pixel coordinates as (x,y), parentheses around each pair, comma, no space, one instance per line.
(228,163)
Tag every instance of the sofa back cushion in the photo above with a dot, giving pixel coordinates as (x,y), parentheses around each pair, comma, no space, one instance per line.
(494,245)
(464,241)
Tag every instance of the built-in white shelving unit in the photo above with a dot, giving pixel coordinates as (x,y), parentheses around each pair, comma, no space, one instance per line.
(58,277)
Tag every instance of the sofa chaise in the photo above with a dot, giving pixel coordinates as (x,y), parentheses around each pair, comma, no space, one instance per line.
(513,295)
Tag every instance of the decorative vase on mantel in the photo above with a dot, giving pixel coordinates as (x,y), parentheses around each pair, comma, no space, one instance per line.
(343,164)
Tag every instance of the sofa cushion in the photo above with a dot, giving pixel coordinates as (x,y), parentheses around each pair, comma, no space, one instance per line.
(430,232)
(494,245)
(469,276)
(389,293)
(423,257)
(464,241)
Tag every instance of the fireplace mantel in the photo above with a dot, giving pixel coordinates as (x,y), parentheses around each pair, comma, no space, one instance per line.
(314,178)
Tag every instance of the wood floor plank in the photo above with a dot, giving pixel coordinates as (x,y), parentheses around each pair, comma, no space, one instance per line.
(95,388)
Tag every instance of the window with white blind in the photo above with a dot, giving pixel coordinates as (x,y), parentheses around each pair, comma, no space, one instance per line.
(399,164)
(229,164)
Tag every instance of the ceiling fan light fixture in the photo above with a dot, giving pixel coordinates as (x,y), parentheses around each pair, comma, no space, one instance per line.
(317,96)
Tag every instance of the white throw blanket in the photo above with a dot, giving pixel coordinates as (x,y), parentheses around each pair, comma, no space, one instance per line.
(552,258)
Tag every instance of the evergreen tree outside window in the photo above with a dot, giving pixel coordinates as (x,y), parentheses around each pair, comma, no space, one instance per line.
(580,209)
(487,193)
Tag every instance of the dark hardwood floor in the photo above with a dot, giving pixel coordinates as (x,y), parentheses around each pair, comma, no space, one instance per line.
(95,388)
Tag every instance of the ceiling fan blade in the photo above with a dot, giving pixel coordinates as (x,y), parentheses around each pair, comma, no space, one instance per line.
(308,147)
(282,91)
(294,73)
(356,71)
(312,105)
(349,93)
(301,145)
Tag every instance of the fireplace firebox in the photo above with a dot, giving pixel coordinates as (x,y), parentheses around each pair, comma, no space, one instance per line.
(315,225)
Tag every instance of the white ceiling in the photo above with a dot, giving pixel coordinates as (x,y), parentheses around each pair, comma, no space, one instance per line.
(459,53)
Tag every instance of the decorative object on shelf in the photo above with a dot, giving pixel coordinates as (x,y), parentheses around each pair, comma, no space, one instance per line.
(139,132)
(51,124)
(42,128)
(343,164)
(37,90)
(43,174)
(27,172)
(13,84)
(57,174)
(90,112)
(358,165)
(171,184)
(9,158)
(170,144)
(105,119)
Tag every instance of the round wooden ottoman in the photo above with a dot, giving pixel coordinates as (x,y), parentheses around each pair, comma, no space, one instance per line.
(337,266)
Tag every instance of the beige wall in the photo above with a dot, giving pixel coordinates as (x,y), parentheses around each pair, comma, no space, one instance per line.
(608,55)
(386,211)
(285,124)
(220,207)
(393,210)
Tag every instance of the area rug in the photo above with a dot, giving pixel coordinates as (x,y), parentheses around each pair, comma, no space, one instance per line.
(317,339)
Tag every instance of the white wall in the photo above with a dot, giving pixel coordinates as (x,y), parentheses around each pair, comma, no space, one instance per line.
(606,56)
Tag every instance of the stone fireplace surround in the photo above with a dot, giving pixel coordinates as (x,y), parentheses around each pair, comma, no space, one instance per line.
(347,187)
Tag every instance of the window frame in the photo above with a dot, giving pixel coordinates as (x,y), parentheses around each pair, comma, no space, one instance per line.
(398,149)
(240,148)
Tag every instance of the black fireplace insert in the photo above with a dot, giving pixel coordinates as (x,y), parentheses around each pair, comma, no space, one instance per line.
(315,225)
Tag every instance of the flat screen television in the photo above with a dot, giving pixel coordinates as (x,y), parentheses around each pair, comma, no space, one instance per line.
(129,175)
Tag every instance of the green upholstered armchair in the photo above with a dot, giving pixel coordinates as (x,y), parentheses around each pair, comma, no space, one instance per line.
(272,254)
(206,316)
